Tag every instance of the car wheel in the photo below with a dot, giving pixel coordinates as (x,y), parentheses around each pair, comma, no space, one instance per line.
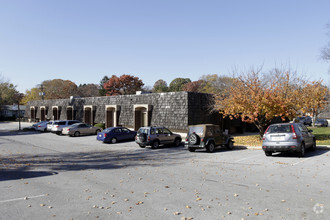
(268,154)
(97,131)
(58,132)
(313,146)
(155,145)
(77,134)
(142,146)
(45,129)
(113,140)
(230,145)
(177,142)
(193,139)
(210,147)
(142,137)
(191,149)
(302,150)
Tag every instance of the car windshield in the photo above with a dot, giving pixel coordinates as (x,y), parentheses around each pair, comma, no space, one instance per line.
(280,129)
(197,130)
(143,131)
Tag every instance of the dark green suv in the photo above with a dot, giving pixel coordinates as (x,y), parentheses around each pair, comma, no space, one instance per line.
(207,136)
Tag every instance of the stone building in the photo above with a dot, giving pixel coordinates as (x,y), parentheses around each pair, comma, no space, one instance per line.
(175,110)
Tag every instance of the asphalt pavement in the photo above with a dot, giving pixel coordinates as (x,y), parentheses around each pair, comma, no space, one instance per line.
(46,176)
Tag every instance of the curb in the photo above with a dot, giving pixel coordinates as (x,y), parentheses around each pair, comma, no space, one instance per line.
(319,147)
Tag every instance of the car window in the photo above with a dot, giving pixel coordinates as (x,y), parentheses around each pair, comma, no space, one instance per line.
(209,131)
(302,128)
(279,129)
(117,130)
(197,130)
(71,122)
(166,131)
(125,130)
(159,131)
(61,123)
(217,131)
(152,131)
(143,131)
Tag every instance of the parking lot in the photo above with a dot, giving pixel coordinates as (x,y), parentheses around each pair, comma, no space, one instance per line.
(44,175)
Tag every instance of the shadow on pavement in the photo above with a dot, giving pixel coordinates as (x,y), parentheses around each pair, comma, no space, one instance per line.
(309,153)
(22,174)
(110,159)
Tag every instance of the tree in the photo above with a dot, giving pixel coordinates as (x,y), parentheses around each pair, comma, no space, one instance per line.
(59,89)
(215,84)
(102,90)
(195,86)
(8,92)
(315,98)
(177,84)
(31,95)
(261,97)
(160,86)
(123,85)
(88,90)
(325,51)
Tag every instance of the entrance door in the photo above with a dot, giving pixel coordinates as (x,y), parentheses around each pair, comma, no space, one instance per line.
(88,115)
(69,113)
(55,113)
(141,118)
(110,118)
(42,114)
(33,116)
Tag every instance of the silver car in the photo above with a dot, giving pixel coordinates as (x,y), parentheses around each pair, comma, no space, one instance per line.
(155,136)
(80,129)
(290,137)
(40,126)
(59,125)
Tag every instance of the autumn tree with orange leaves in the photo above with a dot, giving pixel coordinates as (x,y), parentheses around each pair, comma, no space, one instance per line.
(123,85)
(315,98)
(259,98)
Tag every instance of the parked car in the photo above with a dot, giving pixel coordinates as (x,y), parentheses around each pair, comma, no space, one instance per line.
(207,136)
(290,137)
(115,134)
(306,120)
(40,126)
(50,125)
(80,129)
(321,122)
(156,136)
(59,125)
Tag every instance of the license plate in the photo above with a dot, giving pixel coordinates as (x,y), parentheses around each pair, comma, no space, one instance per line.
(278,138)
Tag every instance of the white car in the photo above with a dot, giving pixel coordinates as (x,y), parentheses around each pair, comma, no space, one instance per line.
(41,126)
(50,125)
(59,125)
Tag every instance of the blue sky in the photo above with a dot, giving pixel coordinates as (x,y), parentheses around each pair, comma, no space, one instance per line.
(83,41)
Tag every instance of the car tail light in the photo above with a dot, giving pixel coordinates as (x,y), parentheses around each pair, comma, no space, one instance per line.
(105,135)
(68,129)
(56,126)
(149,138)
(202,140)
(39,126)
(186,139)
(294,135)
(263,138)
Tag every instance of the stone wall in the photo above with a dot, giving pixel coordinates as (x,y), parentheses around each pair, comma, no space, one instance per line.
(175,110)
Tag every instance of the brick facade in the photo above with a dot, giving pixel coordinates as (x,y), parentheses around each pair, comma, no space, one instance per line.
(175,110)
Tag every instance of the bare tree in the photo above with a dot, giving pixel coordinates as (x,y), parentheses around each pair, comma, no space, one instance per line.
(325,51)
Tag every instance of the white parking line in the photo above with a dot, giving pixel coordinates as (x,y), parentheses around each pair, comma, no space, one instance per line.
(294,164)
(24,198)
(246,158)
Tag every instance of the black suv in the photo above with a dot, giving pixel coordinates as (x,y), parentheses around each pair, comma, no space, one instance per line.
(207,136)
(155,136)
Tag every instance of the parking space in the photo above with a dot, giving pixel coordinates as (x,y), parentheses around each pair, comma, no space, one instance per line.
(46,175)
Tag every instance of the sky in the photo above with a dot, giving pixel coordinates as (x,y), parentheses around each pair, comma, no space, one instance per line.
(83,41)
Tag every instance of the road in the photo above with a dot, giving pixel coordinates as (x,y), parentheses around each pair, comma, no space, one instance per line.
(45,176)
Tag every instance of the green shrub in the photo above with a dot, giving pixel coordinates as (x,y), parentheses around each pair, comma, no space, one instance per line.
(100,125)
